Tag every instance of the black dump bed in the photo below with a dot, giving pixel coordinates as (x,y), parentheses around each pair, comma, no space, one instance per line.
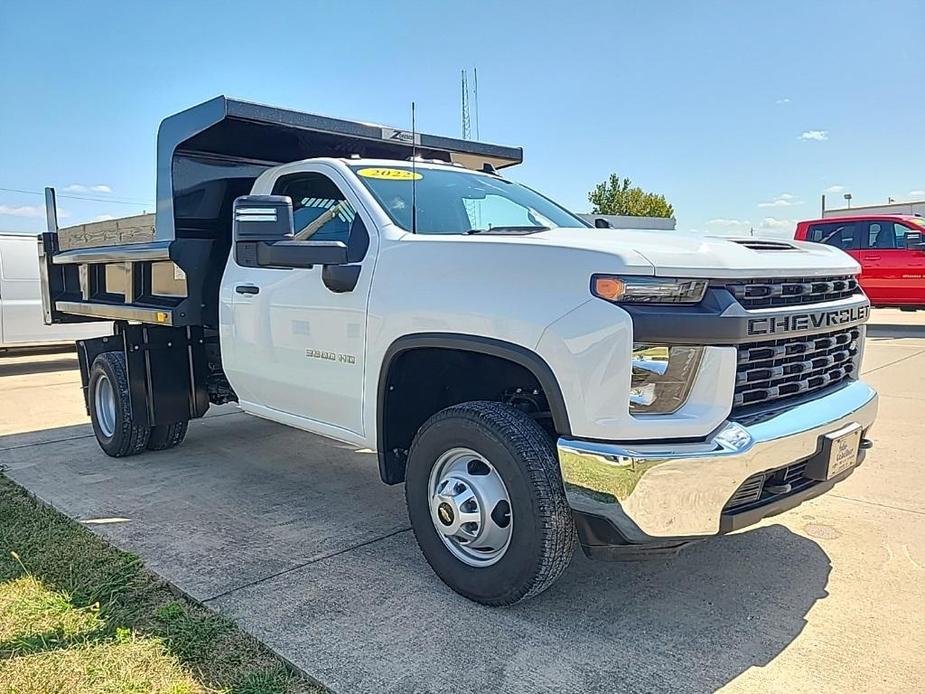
(165,268)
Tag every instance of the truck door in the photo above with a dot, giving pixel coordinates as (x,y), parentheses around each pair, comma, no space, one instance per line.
(893,273)
(298,343)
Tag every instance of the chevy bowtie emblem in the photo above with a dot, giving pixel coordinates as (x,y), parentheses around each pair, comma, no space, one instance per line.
(445,513)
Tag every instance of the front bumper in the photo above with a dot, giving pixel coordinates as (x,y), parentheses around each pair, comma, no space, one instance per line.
(664,494)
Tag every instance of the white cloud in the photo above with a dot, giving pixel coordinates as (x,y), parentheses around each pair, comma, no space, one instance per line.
(834,189)
(80,188)
(917,193)
(22,211)
(728,223)
(103,218)
(782,200)
(768,226)
(775,224)
(818,135)
(30,211)
(785,100)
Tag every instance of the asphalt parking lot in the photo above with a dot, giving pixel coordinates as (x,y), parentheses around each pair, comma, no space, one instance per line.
(295,538)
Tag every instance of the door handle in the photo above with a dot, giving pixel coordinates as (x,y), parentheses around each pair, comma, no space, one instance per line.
(871,257)
(247,289)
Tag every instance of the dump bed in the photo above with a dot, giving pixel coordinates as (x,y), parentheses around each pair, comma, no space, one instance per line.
(166,268)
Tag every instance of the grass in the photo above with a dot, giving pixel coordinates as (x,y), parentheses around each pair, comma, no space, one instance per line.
(79,616)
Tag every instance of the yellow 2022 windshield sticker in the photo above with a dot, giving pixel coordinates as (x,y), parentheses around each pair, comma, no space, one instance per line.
(390,174)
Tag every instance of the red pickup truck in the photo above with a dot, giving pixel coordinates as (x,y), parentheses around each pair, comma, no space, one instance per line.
(889,248)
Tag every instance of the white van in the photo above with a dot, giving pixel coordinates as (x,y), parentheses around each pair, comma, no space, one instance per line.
(21,321)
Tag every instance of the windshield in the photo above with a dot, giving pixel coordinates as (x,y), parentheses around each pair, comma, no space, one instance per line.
(460,202)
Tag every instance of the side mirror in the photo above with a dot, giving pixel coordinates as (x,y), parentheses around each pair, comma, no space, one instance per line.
(601,223)
(262,218)
(303,254)
(915,241)
(263,232)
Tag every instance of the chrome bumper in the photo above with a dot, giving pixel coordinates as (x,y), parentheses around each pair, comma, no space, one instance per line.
(654,492)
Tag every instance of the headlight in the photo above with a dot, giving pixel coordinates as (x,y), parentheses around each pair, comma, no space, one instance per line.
(647,290)
(662,377)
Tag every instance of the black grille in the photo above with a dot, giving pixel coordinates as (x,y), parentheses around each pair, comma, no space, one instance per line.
(764,487)
(777,369)
(791,291)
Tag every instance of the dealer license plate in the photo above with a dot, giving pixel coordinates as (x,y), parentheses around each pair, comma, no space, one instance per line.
(843,449)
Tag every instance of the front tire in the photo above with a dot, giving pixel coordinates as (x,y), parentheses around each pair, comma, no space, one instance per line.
(486,503)
(111,409)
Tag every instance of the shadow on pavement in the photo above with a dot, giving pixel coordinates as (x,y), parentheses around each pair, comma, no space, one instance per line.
(890,330)
(22,368)
(298,540)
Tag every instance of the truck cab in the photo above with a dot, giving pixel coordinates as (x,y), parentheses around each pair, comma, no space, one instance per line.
(535,383)
(889,249)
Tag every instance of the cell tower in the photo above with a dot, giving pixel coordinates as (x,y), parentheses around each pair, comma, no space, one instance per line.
(468,122)
(466,130)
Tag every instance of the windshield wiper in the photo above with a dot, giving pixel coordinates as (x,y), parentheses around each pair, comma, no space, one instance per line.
(508,230)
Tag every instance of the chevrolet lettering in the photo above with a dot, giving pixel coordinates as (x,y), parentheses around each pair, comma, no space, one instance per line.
(805,322)
(535,383)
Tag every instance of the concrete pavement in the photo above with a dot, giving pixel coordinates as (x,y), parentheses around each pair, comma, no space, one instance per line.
(296,539)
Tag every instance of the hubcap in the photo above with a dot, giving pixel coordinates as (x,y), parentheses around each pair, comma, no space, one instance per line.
(470,507)
(105,399)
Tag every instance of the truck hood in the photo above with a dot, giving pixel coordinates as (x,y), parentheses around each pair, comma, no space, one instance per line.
(675,254)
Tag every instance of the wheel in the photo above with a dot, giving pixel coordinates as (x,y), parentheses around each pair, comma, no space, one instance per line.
(164,436)
(110,408)
(486,503)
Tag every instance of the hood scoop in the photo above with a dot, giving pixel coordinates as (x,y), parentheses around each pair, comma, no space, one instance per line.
(765,245)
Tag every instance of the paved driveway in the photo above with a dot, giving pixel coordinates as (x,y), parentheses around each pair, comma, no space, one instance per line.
(294,537)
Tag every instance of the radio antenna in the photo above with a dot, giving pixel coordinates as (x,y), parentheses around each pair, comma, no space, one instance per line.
(414,174)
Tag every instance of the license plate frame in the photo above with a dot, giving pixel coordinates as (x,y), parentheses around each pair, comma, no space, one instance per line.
(840,450)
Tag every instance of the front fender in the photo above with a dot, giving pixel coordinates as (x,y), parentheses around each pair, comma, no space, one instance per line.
(590,352)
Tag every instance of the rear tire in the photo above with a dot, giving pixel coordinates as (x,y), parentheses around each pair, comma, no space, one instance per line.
(164,436)
(111,409)
(457,455)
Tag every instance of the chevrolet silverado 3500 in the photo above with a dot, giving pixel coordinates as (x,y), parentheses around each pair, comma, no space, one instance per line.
(534,381)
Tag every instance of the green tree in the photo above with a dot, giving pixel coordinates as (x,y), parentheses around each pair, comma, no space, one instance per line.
(619,196)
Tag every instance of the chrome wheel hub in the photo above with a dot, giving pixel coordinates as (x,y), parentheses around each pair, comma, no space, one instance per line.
(105,401)
(470,507)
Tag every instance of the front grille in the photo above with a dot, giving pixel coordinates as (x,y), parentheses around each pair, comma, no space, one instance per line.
(764,487)
(791,291)
(777,369)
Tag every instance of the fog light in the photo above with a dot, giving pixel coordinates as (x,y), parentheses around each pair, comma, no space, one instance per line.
(662,377)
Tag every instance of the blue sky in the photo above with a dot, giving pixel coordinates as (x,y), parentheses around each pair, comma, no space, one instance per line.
(741,113)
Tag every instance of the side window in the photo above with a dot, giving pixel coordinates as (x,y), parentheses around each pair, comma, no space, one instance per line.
(320,210)
(838,234)
(886,235)
(899,233)
(880,236)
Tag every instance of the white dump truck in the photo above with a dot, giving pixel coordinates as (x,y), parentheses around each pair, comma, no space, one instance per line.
(535,382)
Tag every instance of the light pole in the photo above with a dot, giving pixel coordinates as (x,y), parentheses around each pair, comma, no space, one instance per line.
(848,198)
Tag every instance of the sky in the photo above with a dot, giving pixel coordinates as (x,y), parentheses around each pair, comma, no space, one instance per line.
(741,113)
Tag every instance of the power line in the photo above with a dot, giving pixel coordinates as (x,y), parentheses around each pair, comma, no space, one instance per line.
(117,201)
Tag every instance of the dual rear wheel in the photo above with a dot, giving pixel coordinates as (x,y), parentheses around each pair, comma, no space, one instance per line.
(111,412)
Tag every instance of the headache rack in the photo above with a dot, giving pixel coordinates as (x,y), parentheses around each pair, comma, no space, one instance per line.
(165,268)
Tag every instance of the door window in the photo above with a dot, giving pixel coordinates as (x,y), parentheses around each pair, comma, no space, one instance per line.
(839,234)
(320,211)
(885,235)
